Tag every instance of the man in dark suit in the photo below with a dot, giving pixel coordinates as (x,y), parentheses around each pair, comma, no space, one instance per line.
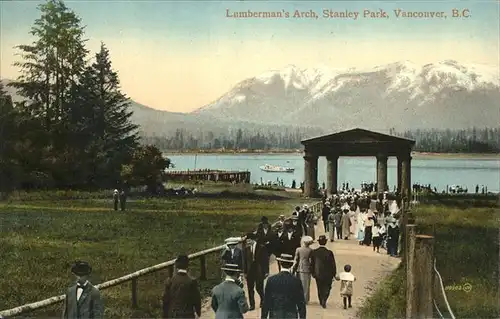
(232,254)
(278,245)
(266,236)
(325,212)
(123,199)
(256,257)
(83,300)
(297,227)
(228,298)
(284,296)
(324,270)
(291,241)
(181,298)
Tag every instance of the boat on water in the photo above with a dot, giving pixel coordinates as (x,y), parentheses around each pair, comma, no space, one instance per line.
(277,169)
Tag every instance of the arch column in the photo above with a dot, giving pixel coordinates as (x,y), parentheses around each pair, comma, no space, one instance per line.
(399,175)
(406,176)
(332,168)
(381,173)
(310,175)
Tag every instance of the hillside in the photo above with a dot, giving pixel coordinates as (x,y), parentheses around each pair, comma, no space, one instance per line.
(155,122)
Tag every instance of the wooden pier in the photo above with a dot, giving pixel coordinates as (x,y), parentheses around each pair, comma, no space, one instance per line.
(209,175)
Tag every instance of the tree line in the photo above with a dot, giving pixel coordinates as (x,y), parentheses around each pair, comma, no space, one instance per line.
(472,140)
(485,140)
(237,140)
(72,129)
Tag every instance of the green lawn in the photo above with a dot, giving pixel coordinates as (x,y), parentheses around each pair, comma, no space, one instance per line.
(467,252)
(40,238)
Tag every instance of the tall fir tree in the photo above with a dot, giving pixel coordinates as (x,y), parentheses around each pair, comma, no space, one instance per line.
(52,64)
(50,68)
(105,113)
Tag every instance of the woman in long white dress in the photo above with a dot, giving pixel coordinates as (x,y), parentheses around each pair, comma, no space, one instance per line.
(360,227)
(353,215)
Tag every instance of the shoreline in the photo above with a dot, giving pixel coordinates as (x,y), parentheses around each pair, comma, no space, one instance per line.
(287,152)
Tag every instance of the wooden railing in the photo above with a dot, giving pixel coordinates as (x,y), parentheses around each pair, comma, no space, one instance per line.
(201,255)
(418,260)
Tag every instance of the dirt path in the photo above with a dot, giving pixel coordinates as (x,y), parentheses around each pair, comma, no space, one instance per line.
(368,267)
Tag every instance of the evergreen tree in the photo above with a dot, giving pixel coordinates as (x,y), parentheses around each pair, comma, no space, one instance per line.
(8,132)
(104,116)
(52,64)
(50,69)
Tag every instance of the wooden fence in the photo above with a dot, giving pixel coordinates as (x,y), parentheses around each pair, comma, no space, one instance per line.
(421,272)
(201,255)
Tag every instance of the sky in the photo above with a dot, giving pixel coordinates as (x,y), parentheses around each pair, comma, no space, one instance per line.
(181,55)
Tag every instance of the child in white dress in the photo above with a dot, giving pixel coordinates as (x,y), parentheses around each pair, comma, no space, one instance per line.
(346,285)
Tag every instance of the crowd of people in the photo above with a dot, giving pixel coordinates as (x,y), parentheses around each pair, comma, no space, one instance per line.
(374,222)
(246,260)
(349,214)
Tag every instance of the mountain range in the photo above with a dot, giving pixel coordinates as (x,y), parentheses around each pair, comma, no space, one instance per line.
(401,95)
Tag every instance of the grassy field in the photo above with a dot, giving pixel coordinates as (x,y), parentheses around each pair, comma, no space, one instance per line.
(42,233)
(467,252)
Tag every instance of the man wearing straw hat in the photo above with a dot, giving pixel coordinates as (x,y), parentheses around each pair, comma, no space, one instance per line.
(283,295)
(83,300)
(228,298)
(182,297)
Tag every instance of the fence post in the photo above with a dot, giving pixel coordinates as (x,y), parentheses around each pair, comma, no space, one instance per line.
(134,293)
(409,243)
(424,271)
(403,245)
(409,259)
(203,269)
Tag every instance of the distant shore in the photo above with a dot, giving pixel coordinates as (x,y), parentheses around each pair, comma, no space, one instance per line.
(284,152)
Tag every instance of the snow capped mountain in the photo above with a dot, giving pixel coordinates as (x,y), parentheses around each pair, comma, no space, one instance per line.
(401,94)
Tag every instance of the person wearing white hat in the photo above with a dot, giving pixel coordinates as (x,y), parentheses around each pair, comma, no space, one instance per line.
(283,294)
(302,265)
(232,254)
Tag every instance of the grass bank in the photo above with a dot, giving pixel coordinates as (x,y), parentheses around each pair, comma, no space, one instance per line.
(42,236)
(467,254)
